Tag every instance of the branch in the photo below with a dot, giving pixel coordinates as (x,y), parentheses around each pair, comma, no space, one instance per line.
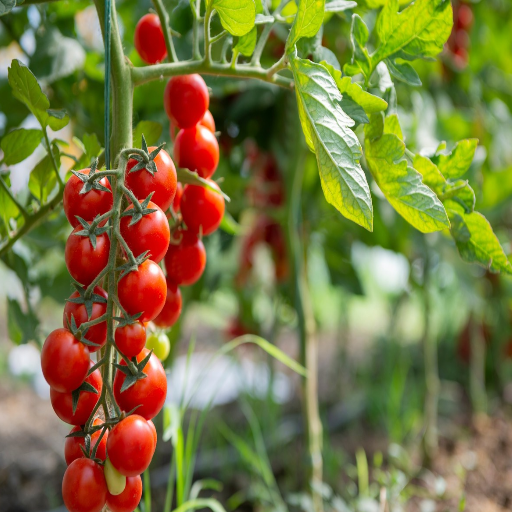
(142,75)
(32,221)
(166,27)
(20,207)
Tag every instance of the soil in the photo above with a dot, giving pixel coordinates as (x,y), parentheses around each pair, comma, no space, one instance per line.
(474,461)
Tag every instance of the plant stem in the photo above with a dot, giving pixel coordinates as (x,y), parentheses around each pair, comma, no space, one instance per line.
(165,22)
(429,343)
(306,323)
(32,221)
(196,54)
(141,75)
(207,49)
(477,367)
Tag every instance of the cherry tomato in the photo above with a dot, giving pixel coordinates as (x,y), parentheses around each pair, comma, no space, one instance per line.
(128,500)
(72,445)
(185,262)
(87,206)
(143,290)
(207,121)
(197,149)
(62,403)
(131,445)
(177,198)
(172,308)
(151,233)
(131,339)
(85,262)
(149,393)
(97,333)
(64,360)
(160,344)
(464,17)
(149,39)
(153,429)
(84,488)
(186,100)
(202,209)
(162,183)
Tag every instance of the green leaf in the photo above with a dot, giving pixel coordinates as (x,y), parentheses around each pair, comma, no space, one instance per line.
(91,148)
(456,163)
(20,144)
(353,110)
(151,131)
(307,22)
(246,44)
(369,102)
(327,131)
(236,16)
(230,225)
(361,62)
(21,326)
(8,210)
(419,31)
(339,5)
(457,190)
(269,348)
(188,177)
(27,90)
(198,503)
(401,184)
(476,240)
(404,72)
(6,6)
(42,178)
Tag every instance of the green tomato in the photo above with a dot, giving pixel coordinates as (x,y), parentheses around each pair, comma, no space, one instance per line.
(115,481)
(160,345)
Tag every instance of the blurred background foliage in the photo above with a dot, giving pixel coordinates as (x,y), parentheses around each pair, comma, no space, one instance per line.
(376,296)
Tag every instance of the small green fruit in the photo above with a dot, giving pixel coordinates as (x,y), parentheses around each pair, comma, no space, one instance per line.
(160,345)
(115,481)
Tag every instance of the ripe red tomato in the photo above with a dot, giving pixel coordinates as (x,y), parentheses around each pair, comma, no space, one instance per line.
(162,183)
(197,149)
(87,206)
(202,209)
(172,308)
(464,17)
(128,500)
(151,233)
(131,445)
(186,100)
(143,290)
(64,360)
(72,445)
(149,39)
(149,393)
(185,262)
(207,121)
(153,429)
(130,339)
(85,262)
(177,198)
(62,403)
(84,488)
(97,333)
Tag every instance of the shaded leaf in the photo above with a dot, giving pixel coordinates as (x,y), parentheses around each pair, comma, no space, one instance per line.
(404,72)
(246,44)
(151,131)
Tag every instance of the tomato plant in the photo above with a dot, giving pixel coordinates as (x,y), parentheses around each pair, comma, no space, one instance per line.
(337,92)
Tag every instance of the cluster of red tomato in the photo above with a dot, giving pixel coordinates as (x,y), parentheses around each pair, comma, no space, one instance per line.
(105,458)
(459,41)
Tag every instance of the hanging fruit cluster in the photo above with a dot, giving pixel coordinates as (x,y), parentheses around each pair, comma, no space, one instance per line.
(121,233)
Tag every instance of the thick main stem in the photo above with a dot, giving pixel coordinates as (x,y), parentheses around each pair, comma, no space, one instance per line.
(306,325)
